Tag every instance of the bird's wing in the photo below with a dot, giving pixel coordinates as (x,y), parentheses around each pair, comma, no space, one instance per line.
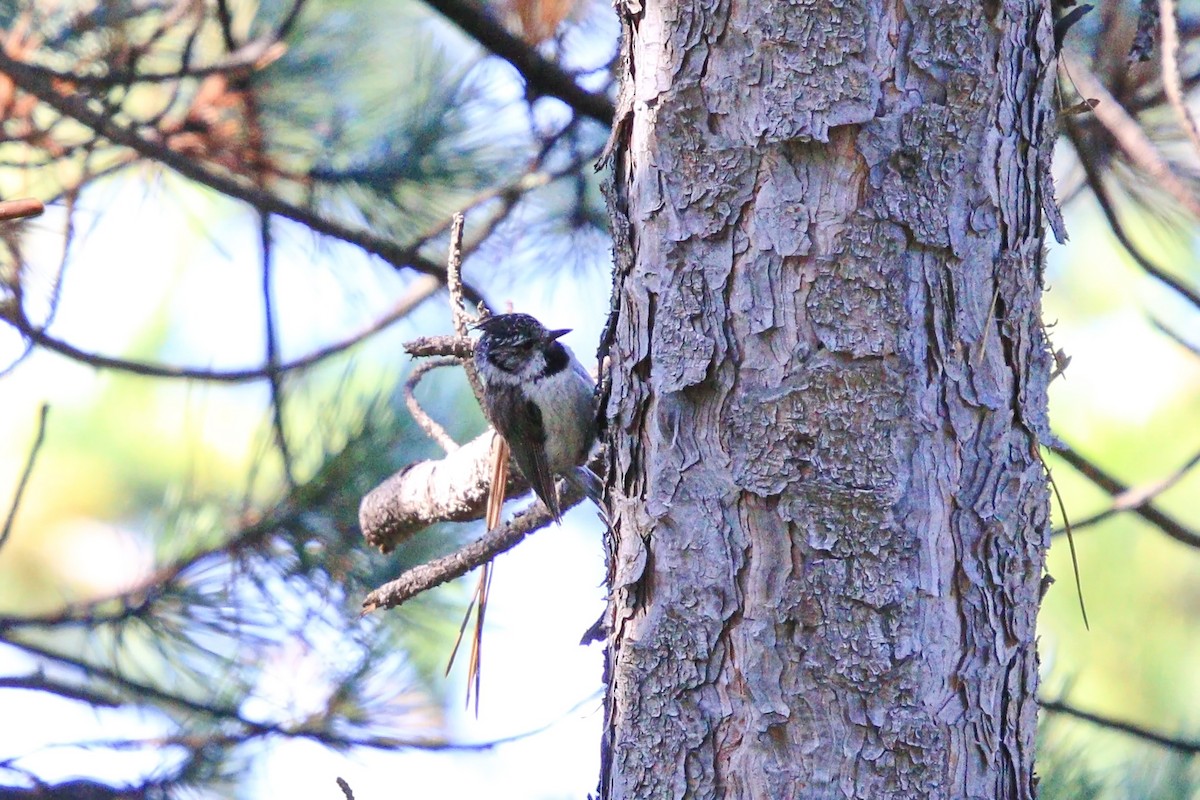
(526,436)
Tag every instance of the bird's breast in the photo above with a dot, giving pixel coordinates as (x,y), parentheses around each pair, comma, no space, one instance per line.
(565,400)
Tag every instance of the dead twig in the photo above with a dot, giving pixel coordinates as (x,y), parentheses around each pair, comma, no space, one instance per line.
(1136,497)
(38,438)
(434,573)
(427,423)
(19,209)
(1172,81)
(1148,511)
(1179,745)
(1131,138)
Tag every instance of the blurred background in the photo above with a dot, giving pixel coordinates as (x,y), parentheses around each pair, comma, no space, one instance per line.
(201,366)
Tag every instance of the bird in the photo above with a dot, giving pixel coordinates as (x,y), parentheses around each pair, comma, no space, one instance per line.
(539,397)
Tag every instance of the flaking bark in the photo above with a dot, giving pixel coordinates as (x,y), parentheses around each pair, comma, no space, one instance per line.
(828,387)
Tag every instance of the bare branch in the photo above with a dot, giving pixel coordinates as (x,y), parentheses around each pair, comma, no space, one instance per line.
(1172,82)
(418,293)
(1130,136)
(450,489)
(1136,497)
(38,438)
(543,77)
(427,423)
(1096,181)
(1147,511)
(1184,746)
(457,311)
(424,346)
(19,209)
(36,82)
(459,563)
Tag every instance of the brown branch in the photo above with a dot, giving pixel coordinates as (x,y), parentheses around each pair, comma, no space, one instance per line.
(36,82)
(1172,82)
(19,209)
(1148,511)
(1184,746)
(434,573)
(1096,181)
(418,293)
(427,423)
(449,489)
(542,76)
(424,346)
(1136,497)
(38,438)
(1130,136)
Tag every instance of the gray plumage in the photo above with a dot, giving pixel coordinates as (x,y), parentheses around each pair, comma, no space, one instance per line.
(539,398)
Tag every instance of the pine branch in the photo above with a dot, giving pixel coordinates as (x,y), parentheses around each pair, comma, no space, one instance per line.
(542,76)
(434,573)
(37,82)
(419,292)
(1136,497)
(1185,746)
(1114,487)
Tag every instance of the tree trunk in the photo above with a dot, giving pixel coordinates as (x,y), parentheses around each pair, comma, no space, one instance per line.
(828,386)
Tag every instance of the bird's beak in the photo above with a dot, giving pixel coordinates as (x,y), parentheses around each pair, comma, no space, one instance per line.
(552,335)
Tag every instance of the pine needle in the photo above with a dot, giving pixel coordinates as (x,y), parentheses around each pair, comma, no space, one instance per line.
(1062,507)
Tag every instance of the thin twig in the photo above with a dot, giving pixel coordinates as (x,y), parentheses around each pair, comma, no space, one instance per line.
(458,312)
(1136,497)
(427,423)
(1130,136)
(1148,512)
(38,438)
(424,287)
(34,81)
(226,20)
(1172,82)
(1179,745)
(1175,337)
(1062,508)
(271,368)
(345,787)
(39,682)
(1096,181)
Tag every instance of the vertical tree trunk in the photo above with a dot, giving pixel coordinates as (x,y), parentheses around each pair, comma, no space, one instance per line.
(828,388)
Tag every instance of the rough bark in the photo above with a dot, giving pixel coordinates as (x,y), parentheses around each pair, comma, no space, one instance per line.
(827,391)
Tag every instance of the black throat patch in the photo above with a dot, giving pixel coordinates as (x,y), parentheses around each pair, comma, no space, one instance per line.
(557,359)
